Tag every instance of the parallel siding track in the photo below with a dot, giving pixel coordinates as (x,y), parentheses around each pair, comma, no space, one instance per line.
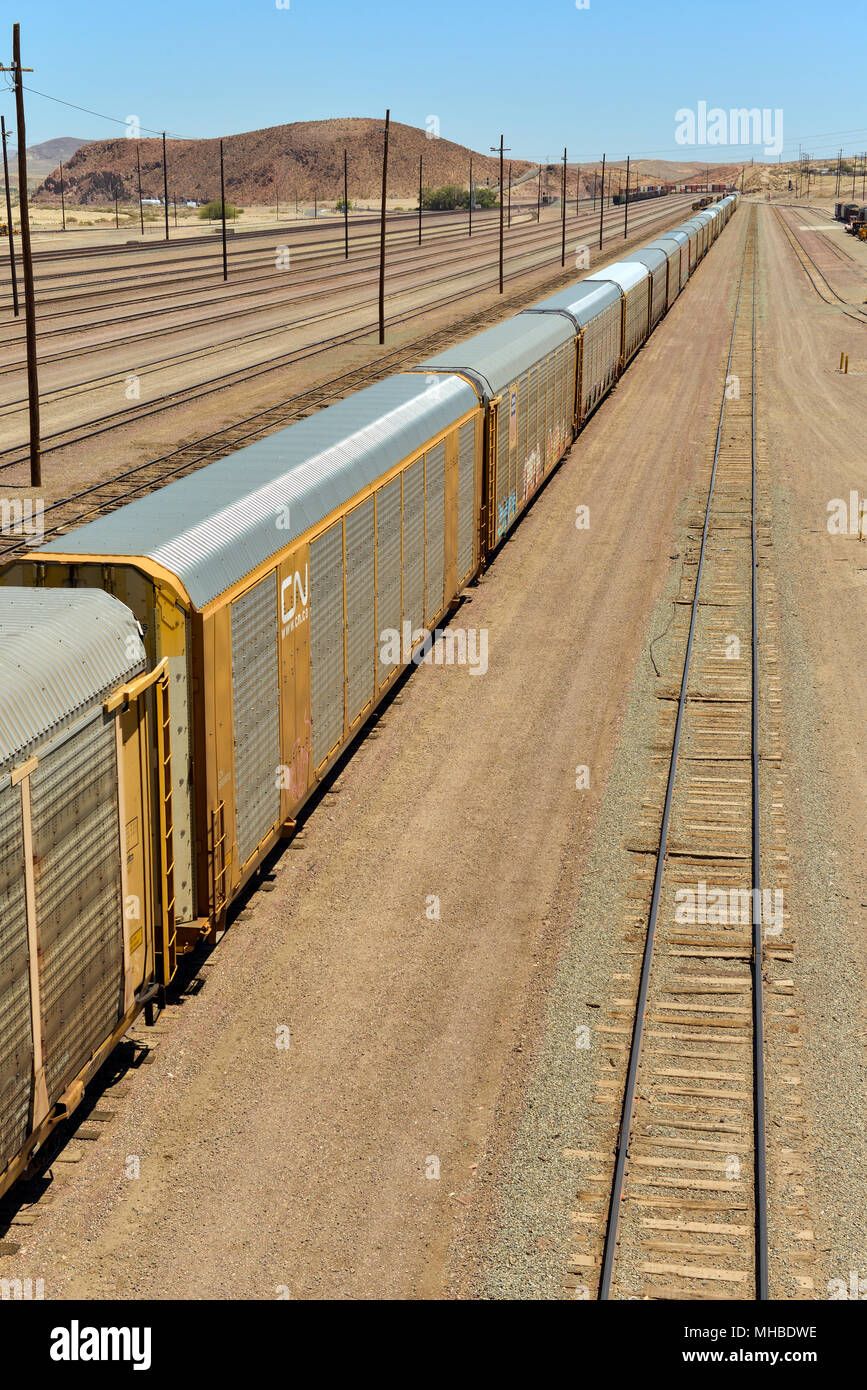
(677,1208)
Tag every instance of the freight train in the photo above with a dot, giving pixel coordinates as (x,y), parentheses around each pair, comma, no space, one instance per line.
(180,675)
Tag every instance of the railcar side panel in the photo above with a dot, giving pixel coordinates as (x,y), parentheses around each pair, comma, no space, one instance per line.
(81,869)
(255,706)
(601,357)
(360,587)
(78,897)
(635,320)
(16,1035)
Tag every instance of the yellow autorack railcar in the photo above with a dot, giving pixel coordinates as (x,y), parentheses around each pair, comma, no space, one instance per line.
(274,584)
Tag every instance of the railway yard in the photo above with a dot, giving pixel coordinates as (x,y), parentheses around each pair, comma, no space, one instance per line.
(565,955)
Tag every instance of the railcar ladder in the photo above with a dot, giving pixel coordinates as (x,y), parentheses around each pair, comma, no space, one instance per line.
(218,856)
(166,944)
(489,492)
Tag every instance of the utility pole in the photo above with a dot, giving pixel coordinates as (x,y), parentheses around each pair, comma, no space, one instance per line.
(563,213)
(223,214)
(165,186)
(62,201)
(345,206)
(502,191)
(382,229)
(626,202)
(420,158)
(9,220)
(26,262)
(116,218)
(839,171)
(539,200)
(510,193)
(471,195)
(854,172)
(140,203)
(602,202)
(578,192)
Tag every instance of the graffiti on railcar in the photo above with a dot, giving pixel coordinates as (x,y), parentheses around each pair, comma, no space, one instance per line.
(533,474)
(507,510)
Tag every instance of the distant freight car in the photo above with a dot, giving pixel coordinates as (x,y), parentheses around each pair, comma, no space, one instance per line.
(639,195)
(524,371)
(85,867)
(633,281)
(596,313)
(675,247)
(656,262)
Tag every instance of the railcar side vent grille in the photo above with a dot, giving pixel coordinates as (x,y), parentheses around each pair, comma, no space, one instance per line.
(256,703)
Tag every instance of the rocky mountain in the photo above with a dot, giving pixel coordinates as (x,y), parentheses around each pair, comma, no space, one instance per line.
(43,159)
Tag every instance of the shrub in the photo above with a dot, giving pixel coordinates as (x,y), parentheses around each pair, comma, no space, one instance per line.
(450,197)
(215,209)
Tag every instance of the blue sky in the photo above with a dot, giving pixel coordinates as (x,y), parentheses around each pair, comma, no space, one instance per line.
(610,77)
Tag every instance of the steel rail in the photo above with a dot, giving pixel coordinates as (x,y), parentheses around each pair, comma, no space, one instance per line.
(405,267)
(612,1227)
(852,311)
(442,240)
(759,1141)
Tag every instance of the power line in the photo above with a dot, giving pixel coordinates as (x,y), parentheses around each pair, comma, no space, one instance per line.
(682,150)
(115,120)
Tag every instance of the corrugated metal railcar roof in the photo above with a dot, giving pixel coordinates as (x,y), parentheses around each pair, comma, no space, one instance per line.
(217,525)
(580,303)
(500,354)
(651,256)
(666,244)
(626,274)
(63,651)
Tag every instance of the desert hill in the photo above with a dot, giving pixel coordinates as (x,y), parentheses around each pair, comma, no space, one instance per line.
(305,160)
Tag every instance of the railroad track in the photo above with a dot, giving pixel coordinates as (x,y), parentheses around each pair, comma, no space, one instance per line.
(673,1195)
(312,285)
(17,455)
(331,264)
(814,275)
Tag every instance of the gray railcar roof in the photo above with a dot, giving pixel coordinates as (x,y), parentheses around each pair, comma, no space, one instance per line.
(580,303)
(666,244)
(651,256)
(212,528)
(624,273)
(63,651)
(499,355)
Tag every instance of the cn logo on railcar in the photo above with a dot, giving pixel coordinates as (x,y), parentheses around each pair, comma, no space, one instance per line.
(298,591)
